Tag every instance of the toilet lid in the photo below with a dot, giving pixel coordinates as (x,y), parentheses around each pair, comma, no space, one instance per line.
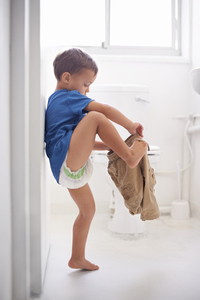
(100,152)
(154,150)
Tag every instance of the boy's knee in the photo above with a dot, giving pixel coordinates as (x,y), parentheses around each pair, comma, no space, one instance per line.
(88,214)
(97,116)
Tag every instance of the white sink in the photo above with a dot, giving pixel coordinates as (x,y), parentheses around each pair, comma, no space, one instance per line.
(195,79)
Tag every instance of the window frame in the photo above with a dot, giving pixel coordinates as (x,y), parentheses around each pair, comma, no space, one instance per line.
(174,50)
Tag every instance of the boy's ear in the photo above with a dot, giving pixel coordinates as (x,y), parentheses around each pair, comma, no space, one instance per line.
(65,77)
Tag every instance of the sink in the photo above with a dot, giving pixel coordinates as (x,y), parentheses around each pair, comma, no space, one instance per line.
(195,79)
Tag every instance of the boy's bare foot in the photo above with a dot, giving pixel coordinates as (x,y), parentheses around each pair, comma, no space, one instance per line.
(139,148)
(82,264)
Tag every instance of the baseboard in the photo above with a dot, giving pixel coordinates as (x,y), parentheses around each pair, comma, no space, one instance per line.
(101,208)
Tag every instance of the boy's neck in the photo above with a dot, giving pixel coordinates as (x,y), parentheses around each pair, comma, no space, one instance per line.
(60,86)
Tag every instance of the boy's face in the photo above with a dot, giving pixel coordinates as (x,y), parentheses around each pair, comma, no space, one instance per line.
(81,81)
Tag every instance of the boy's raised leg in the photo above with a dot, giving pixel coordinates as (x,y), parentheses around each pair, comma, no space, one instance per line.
(83,139)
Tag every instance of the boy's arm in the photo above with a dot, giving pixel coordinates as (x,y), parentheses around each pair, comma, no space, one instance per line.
(116,116)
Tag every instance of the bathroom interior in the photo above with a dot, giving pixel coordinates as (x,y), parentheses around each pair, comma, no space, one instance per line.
(155,259)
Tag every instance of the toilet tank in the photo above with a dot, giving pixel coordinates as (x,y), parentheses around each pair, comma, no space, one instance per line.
(132,100)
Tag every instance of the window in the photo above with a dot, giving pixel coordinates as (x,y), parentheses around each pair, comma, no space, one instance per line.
(72,22)
(113,26)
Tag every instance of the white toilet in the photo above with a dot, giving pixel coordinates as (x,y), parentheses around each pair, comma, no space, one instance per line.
(135,97)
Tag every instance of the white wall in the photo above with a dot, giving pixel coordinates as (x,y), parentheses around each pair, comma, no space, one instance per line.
(170,96)
(195,104)
(20,84)
(168,100)
(5,196)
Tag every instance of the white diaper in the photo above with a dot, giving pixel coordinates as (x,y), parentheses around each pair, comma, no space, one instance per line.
(77,179)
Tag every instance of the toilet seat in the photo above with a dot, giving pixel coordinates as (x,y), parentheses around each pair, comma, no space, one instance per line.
(98,155)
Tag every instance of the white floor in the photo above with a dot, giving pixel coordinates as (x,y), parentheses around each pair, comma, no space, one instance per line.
(163,264)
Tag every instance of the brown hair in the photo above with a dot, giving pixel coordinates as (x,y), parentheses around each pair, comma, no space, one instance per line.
(73,61)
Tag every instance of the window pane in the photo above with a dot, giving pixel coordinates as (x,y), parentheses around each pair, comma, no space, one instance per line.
(140,23)
(72,22)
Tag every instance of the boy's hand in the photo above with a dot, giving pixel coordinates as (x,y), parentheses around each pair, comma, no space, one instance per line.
(136,128)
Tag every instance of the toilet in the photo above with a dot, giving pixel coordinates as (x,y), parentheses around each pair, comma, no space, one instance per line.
(136,98)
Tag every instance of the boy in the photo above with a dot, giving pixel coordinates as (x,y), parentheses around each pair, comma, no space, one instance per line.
(72,122)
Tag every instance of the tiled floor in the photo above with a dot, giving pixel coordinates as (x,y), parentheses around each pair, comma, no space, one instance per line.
(163,264)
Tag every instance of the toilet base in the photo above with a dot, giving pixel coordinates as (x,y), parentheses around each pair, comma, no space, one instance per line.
(122,221)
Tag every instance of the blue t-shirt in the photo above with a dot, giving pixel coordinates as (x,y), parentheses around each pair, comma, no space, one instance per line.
(64,111)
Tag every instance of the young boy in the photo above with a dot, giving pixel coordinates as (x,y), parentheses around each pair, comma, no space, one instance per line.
(72,122)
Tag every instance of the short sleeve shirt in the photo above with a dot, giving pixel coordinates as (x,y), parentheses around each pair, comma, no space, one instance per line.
(64,111)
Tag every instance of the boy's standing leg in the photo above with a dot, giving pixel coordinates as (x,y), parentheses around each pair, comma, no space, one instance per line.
(84,199)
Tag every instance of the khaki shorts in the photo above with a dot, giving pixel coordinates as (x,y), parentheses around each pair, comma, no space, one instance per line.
(77,179)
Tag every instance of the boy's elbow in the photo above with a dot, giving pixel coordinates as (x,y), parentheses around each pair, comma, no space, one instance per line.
(107,109)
